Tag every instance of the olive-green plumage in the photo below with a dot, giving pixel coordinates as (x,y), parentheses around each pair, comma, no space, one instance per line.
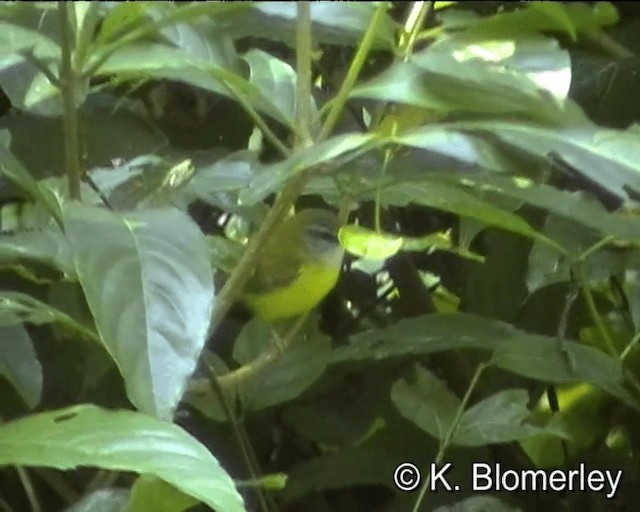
(297,268)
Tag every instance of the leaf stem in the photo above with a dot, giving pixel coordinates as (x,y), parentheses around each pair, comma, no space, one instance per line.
(68,81)
(28,489)
(452,430)
(352,74)
(303,76)
(593,310)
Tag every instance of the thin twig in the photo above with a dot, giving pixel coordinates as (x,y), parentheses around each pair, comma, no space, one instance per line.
(28,489)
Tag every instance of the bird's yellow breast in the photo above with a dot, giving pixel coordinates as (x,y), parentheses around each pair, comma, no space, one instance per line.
(313,283)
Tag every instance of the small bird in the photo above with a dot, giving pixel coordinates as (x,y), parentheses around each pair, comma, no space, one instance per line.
(298,267)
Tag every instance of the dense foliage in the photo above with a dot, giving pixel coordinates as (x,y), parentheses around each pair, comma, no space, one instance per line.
(485,158)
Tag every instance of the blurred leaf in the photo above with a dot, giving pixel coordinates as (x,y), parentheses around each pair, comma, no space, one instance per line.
(102,500)
(154,314)
(478,504)
(608,158)
(269,178)
(546,266)
(276,81)
(12,169)
(85,435)
(18,359)
(427,402)
(571,19)
(45,246)
(529,76)
(150,494)
(30,310)
(550,360)
(456,200)
(501,418)
(120,17)
(335,24)
(289,375)
(422,335)
(574,206)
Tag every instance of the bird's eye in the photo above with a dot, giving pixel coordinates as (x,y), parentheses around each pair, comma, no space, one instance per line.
(323,233)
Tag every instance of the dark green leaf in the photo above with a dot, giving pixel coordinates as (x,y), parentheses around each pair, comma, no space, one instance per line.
(343,23)
(427,402)
(269,178)
(18,360)
(425,334)
(453,199)
(501,418)
(289,375)
(550,360)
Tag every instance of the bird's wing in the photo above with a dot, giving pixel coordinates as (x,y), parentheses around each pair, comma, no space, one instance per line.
(278,267)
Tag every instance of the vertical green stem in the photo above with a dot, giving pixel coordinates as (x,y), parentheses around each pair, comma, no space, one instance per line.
(303,76)
(29,490)
(452,430)
(352,74)
(68,87)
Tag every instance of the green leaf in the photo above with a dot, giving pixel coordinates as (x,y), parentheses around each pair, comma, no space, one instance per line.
(453,199)
(148,282)
(546,266)
(150,494)
(11,167)
(422,335)
(528,76)
(18,359)
(120,17)
(269,178)
(608,158)
(336,24)
(501,418)
(45,247)
(289,375)
(267,91)
(427,402)
(85,435)
(276,81)
(574,206)
(15,39)
(550,360)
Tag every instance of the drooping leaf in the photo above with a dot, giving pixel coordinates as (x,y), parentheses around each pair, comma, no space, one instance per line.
(86,435)
(34,311)
(147,280)
(18,359)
